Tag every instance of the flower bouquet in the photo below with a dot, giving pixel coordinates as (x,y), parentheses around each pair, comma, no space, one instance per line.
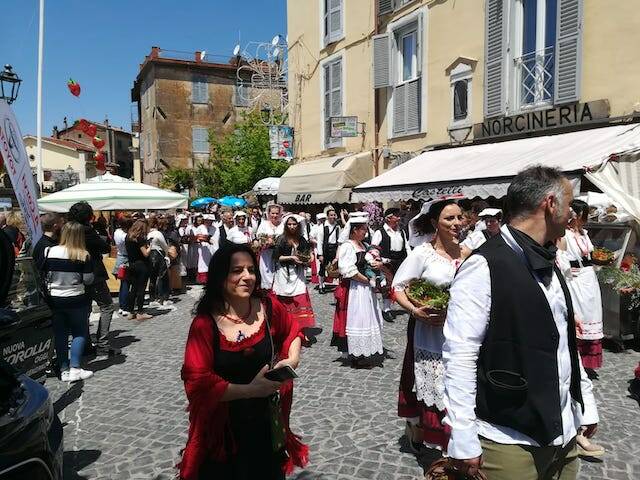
(424,294)
(602,256)
(265,240)
(624,282)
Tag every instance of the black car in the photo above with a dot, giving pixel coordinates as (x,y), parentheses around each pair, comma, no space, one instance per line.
(31,443)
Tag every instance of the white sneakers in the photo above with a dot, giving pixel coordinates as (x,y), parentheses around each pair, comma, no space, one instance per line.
(123,313)
(166,303)
(75,374)
(154,304)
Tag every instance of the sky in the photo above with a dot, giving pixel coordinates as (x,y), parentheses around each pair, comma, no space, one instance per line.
(100,44)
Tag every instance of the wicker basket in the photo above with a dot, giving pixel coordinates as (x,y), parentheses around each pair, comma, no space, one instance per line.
(332,270)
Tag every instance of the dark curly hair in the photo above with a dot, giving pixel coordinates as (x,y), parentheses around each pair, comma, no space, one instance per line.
(423,224)
(212,301)
(80,212)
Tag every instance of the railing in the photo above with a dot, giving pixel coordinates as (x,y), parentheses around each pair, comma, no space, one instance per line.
(535,77)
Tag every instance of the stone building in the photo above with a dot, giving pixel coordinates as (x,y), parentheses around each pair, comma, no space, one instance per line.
(180,100)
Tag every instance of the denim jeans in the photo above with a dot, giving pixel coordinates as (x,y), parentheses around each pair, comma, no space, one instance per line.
(70,321)
(123,295)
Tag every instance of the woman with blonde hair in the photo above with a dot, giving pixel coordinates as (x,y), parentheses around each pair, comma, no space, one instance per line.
(67,268)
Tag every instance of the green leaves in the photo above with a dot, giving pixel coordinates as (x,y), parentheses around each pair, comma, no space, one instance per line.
(177,179)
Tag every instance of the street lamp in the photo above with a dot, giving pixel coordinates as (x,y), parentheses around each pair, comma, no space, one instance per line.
(9,84)
(71,173)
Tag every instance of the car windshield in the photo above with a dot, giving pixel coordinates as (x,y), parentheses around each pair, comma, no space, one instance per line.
(23,291)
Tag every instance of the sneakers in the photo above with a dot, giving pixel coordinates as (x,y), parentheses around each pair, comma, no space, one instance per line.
(123,313)
(166,303)
(588,449)
(155,304)
(75,374)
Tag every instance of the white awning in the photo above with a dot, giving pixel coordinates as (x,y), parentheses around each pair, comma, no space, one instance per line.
(326,180)
(111,192)
(267,186)
(485,170)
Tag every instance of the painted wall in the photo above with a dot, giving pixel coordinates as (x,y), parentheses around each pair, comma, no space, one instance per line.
(56,157)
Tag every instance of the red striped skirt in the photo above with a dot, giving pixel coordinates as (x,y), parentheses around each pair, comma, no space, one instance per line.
(591,353)
(300,309)
(339,337)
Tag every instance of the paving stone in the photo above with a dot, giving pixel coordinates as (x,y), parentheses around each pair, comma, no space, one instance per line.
(129,421)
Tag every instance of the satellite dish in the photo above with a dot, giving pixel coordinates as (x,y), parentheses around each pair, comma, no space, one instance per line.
(276,40)
(203,54)
(236,50)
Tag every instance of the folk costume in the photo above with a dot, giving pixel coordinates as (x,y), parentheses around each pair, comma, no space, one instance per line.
(290,283)
(357,321)
(585,295)
(267,265)
(327,236)
(239,439)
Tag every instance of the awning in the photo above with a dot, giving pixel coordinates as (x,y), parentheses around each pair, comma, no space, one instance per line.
(486,170)
(111,192)
(326,180)
(267,186)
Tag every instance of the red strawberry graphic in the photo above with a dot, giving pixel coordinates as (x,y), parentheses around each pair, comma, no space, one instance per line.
(74,87)
(91,130)
(98,142)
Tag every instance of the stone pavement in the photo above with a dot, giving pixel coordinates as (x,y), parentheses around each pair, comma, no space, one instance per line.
(129,420)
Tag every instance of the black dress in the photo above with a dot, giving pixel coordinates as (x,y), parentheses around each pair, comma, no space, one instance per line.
(250,419)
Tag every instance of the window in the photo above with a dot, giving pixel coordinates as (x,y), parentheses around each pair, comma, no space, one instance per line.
(460,99)
(199,90)
(407,96)
(332,92)
(408,55)
(333,20)
(145,94)
(200,140)
(241,95)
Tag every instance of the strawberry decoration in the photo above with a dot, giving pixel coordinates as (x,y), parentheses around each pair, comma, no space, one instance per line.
(73,87)
(82,124)
(98,156)
(91,130)
(98,142)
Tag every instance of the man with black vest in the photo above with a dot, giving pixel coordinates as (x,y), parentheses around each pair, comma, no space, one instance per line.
(226,224)
(394,248)
(516,394)
(327,244)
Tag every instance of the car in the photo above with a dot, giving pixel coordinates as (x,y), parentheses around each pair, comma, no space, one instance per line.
(31,436)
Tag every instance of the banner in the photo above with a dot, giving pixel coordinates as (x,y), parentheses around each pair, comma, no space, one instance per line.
(16,162)
(281,142)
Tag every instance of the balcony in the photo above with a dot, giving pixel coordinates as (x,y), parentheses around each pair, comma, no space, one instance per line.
(534,76)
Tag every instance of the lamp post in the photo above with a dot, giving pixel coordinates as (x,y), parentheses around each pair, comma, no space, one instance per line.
(71,173)
(9,84)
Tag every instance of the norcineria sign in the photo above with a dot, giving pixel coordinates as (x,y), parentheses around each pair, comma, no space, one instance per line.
(530,121)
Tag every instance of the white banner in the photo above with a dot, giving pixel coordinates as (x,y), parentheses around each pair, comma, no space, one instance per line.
(16,162)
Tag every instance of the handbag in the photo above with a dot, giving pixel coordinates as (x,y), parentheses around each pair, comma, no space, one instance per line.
(443,469)
(121,274)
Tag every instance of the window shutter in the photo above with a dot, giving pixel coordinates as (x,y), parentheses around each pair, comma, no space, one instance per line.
(413,106)
(385,6)
(381,61)
(399,110)
(494,91)
(333,21)
(200,142)
(336,89)
(199,91)
(568,51)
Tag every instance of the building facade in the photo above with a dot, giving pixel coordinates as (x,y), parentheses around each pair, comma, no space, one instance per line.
(117,149)
(180,100)
(424,74)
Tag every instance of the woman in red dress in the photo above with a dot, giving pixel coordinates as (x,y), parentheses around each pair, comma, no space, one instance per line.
(239,425)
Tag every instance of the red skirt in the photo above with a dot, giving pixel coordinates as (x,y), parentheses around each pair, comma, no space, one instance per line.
(201,278)
(300,309)
(339,337)
(435,432)
(407,401)
(314,272)
(591,353)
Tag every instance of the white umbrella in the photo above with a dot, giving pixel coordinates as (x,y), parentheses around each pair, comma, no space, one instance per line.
(111,192)
(267,186)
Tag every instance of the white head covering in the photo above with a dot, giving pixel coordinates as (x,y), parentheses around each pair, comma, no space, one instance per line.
(490,212)
(320,217)
(328,208)
(240,213)
(354,218)
(416,237)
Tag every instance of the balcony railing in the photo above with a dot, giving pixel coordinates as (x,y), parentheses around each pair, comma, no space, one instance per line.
(534,72)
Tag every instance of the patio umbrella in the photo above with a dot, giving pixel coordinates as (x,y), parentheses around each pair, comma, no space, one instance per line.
(230,201)
(201,202)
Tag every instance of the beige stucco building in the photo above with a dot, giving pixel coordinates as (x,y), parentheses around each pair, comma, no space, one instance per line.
(422,74)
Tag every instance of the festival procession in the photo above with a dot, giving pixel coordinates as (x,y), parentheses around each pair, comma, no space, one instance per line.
(320,239)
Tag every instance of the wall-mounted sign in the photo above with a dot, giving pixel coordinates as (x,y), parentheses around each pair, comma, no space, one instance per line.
(562,116)
(281,142)
(343,127)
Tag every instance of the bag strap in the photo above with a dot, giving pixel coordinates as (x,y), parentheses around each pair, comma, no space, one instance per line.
(269,311)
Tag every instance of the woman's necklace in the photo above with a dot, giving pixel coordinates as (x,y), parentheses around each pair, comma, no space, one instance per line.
(239,319)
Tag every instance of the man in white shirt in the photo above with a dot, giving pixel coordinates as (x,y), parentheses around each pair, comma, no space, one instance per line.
(516,394)
(394,248)
(270,229)
(328,234)
(226,224)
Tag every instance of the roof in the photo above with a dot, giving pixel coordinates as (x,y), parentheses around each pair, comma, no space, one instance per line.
(73,145)
(99,125)
(486,170)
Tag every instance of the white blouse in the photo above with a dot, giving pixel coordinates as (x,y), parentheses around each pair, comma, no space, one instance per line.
(347,258)
(424,262)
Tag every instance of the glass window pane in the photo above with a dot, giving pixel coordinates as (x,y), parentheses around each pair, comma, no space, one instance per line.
(530,8)
(460,108)
(550,23)
(408,56)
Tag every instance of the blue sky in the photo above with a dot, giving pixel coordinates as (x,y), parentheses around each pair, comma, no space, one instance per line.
(100,44)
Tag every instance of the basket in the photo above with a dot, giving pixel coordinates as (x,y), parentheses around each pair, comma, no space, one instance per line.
(443,469)
(332,270)
(419,302)
(603,262)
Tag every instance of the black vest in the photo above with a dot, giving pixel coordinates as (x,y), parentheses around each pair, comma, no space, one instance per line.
(327,234)
(518,384)
(385,246)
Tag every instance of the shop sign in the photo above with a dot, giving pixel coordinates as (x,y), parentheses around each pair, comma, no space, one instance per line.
(14,156)
(437,192)
(281,142)
(341,127)
(562,116)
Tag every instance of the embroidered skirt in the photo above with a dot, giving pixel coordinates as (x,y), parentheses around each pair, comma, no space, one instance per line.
(590,353)
(300,309)
(339,337)
(429,389)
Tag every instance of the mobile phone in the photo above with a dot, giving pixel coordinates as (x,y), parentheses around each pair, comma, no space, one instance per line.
(281,374)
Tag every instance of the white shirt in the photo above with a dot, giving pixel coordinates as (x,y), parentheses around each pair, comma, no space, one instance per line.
(157,241)
(334,233)
(119,238)
(474,239)
(240,235)
(397,237)
(465,330)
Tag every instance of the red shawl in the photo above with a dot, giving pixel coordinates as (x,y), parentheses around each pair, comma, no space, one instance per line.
(208,416)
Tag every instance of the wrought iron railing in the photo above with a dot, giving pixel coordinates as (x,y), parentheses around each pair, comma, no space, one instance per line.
(535,77)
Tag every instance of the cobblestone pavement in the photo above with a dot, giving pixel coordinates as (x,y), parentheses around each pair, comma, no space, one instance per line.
(129,420)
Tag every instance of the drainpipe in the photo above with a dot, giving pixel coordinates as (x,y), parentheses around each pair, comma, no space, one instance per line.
(376,117)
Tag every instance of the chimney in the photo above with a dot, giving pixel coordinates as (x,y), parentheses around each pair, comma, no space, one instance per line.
(106,121)
(55,132)
(65,123)
(155,52)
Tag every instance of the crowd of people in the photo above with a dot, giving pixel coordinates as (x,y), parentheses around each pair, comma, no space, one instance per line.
(499,380)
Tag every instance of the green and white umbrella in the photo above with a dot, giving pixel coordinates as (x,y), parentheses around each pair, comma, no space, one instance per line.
(111,192)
